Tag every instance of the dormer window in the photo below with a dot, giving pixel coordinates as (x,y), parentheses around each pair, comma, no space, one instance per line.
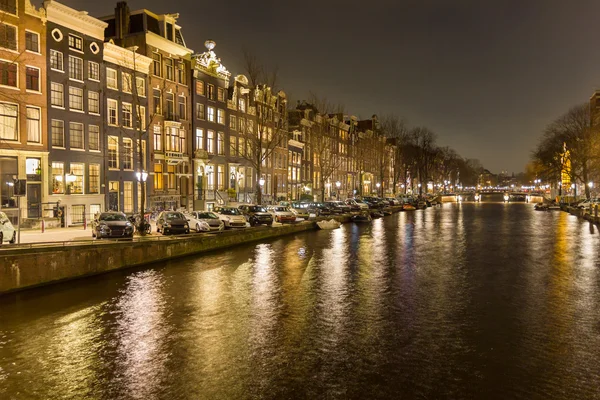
(75,42)
(170,31)
(179,37)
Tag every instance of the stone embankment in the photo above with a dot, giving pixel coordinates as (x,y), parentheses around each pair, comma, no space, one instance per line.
(23,267)
(592,216)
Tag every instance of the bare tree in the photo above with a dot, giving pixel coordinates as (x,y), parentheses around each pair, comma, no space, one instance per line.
(266,131)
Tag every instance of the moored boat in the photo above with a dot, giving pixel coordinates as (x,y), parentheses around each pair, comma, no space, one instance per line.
(331,224)
(364,216)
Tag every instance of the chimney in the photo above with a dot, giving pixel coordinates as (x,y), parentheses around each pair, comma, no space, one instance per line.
(121,21)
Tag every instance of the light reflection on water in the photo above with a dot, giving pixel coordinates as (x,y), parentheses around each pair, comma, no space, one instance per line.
(458,301)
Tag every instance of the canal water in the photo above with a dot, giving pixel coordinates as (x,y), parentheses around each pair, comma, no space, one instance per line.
(491,301)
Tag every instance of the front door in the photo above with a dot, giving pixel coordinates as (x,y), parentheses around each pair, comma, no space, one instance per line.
(34,196)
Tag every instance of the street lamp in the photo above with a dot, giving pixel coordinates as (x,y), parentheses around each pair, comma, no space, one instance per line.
(378,186)
(337,185)
(141,176)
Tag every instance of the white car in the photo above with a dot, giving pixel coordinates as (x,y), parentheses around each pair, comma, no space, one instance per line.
(281,214)
(589,203)
(231,217)
(204,221)
(7,230)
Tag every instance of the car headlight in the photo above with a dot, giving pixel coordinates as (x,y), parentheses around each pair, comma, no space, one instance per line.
(167,225)
(187,225)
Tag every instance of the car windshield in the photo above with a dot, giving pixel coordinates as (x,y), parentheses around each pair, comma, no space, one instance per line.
(280,208)
(300,205)
(174,215)
(207,215)
(112,217)
(230,211)
(257,209)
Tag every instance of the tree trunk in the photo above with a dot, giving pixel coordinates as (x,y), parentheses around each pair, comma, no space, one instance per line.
(257,183)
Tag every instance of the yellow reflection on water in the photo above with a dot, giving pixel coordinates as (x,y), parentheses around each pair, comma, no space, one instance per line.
(142,331)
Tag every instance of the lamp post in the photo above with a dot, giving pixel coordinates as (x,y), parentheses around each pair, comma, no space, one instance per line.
(327,186)
(591,186)
(240,176)
(378,186)
(419,186)
(209,171)
(337,185)
(261,183)
(199,185)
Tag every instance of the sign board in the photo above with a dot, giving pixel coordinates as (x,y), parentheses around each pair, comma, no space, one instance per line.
(20,187)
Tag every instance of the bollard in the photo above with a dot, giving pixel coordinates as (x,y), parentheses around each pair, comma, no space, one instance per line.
(43,226)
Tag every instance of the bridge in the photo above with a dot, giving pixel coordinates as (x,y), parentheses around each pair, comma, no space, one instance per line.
(495,196)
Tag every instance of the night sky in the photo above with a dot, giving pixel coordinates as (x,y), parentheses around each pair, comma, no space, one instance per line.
(486,76)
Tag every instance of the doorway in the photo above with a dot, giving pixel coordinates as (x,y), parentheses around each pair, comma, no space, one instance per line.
(34,196)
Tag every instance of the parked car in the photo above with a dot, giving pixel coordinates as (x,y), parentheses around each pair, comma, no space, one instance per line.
(338,207)
(204,221)
(356,205)
(172,222)
(300,210)
(111,224)
(372,202)
(319,209)
(256,215)
(281,214)
(393,201)
(231,217)
(7,230)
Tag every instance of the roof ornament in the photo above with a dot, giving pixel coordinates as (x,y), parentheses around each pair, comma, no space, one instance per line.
(209,61)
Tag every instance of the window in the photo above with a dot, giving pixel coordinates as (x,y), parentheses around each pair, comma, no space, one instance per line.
(220,94)
(140,85)
(58,178)
(211,114)
(94,137)
(182,145)
(221,116)
(93,102)
(57,34)
(241,147)
(128,196)
(158,177)
(77,170)
(171,182)
(127,153)
(156,64)
(76,68)
(170,106)
(75,42)
(111,79)
(75,98)
(34,125)
(76,135)
(172,139)
(182,108)
(181,73)
(200,111)
(9,6)
(169,68)
(8,121)
(8,73)
(112,115)
(242,123)
(220,143)
(242,105)
(210,141)
(127,115)
(56,60)
(58,133)
(232,145)
(32,78)
(157,100)
(113,152)
(211,92)
(32,41)
(200,88)
(57,96)
(199,138)
(126,82)
(8,36)
(157,138)
(141,117)
(94,178)
(232,122)
(220,177)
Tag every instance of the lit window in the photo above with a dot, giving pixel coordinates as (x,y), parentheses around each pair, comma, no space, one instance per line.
(8,74)
(58,177)
(220,94)
(169,67)
(32,79)
(182,108)
(211,114)
(157,138)
(232,122)
(93,71)
(210,141)
(140,86)
(112,115)
(220,143)
(113,152)
(57,95)
(221,116)
(8,121)
(93,102)
(111,79)
(94,178)
(75,42)
(200,88)
(199,138)
(126,82)
(8,36)
(78,170)
(127,153)
(158,177)
(127,115)
(34,126)
(128,196)
(211,92)
(157,64)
